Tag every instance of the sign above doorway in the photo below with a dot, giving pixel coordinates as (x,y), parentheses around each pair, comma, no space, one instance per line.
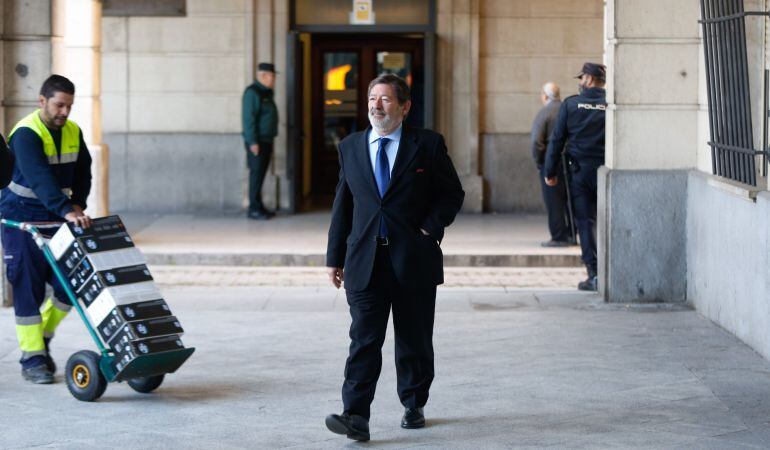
(363,13)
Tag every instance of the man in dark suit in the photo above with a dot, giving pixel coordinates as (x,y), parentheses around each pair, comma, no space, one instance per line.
(397,192)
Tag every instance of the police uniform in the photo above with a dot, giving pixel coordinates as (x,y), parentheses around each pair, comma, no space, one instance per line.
(52,171)
(259,117)
(580,125)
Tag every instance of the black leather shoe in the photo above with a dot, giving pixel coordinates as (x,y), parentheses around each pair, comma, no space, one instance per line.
(37,374)
(553,243)
(413,418)
(256,215)
(353,426)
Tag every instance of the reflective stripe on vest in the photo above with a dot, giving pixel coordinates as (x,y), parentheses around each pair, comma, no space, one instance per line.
(70,138)
(22,191)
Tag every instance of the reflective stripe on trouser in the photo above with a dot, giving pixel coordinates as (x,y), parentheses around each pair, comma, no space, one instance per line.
(53,312)
(29,331)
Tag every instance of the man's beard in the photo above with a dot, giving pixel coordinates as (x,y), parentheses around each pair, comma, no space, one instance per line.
(385,123)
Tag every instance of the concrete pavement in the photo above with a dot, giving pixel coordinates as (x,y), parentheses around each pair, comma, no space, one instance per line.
(515,369)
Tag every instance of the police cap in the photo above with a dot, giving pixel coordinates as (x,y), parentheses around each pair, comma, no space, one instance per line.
(266,67)
(595,70)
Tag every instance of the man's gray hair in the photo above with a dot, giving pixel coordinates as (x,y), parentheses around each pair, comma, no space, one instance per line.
(551,90)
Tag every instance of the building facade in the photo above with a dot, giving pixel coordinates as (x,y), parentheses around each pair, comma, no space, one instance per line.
(166,86)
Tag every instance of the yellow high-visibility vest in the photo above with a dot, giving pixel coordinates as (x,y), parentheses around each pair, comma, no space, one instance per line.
(70,138)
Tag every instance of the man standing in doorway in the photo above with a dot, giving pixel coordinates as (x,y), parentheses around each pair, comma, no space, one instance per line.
(397,192)
(260,126)
(581,126)
(555,198)
(51,181)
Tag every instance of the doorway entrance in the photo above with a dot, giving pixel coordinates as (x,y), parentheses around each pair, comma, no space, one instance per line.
(339,68)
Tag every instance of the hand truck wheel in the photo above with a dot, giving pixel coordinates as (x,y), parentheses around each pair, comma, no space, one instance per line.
(85,380)
(145,385)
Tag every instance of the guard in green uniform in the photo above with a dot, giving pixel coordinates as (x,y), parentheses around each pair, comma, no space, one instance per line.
(260,126)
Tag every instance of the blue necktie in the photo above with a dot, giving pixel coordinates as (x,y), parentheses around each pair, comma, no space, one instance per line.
(382,176)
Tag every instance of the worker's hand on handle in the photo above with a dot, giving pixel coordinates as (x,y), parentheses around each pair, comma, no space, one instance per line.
(78,217)
(254,149)
(336,276)
(552,181)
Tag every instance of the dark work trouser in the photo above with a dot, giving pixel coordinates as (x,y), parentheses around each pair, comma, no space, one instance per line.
(555,199)
(413,313)
(36,318)
(258,166)
(583,188)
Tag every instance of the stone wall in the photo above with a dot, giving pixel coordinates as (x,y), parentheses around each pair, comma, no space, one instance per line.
(171,98)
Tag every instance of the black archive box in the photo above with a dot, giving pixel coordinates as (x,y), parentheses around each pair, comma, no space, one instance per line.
(125,352)
(140,329)
(85,274)
(122,314)
(72,243)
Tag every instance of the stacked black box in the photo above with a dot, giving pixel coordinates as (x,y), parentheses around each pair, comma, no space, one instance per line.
(111,280)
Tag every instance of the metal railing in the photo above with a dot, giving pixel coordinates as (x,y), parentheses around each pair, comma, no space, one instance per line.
(733,154)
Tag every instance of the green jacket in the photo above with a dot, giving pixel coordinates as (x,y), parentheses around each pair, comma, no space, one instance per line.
(259,114)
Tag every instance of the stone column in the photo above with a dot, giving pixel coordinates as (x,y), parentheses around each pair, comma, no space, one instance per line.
(652,54)
(457,93)
(32,48)
(83,66)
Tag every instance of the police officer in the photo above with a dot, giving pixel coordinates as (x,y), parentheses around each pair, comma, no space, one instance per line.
(260,126)
(581,126)
(50,183)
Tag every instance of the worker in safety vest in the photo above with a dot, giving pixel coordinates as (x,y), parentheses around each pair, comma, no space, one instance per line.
(50,183)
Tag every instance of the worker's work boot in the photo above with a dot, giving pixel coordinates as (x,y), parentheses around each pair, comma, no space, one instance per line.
(37,374)
(50,364)
(591,283)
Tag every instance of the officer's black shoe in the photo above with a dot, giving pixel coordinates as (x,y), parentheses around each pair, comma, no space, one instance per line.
(589,284)
(351,425)
(268,213)
(256,215)
(413,418)
(37,374)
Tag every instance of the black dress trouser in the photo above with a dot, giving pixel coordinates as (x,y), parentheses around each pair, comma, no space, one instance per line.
(413,313)
(555,199)
(583,187)
(258,165)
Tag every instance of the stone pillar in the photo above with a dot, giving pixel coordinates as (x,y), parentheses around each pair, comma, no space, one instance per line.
(82,66)
(457,93)
(270,28)
(652,55)
(32,48)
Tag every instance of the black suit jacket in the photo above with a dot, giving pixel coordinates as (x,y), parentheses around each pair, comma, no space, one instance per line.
(424,192)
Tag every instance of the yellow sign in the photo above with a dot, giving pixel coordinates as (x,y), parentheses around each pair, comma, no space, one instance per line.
(363,13)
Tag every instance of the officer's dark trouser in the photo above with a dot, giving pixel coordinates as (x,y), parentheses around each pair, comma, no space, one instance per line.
(555,199)
(36,318)
(258,165)
(583,188)
(413,313)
